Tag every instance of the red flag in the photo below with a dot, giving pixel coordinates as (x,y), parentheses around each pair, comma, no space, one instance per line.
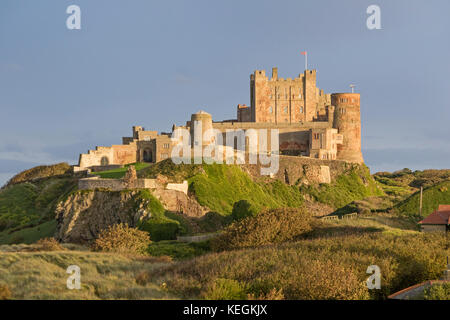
(303,53)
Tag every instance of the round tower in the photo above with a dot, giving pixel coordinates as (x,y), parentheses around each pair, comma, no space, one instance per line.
(347,119)
(205,120)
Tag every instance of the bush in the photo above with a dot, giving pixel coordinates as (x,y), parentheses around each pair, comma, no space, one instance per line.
(243,209)
(332,267)
(122,239)
(438,292)
(5,293)
(270,226)
(226,289)
(49,244)
(161,228)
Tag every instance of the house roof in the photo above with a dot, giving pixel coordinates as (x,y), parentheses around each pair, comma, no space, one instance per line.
(441,216)
(406,293)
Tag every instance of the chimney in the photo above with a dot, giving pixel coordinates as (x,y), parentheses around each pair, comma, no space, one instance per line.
(275,73)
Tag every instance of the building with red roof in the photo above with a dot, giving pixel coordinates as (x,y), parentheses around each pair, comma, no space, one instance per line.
(439,220)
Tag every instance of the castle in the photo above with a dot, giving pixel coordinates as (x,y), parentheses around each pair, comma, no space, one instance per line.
(310,123)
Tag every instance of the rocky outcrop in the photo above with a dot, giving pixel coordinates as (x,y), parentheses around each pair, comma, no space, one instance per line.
(85,214)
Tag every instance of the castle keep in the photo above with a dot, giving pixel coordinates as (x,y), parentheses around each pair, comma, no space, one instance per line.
(311,123)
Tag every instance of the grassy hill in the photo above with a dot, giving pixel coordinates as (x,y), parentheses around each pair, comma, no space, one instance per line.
(355,184)
(433,196)
(27,206)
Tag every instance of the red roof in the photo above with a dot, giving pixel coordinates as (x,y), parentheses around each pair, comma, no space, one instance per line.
(441,216)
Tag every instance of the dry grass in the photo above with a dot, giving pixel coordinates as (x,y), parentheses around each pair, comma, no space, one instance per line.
(42,275)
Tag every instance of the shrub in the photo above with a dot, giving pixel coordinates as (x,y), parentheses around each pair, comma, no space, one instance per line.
(226,289)
(5,293)
(161,228)
(438,292)
(243,209)
(123,239)
(270,226)
(332,267)
(49,244)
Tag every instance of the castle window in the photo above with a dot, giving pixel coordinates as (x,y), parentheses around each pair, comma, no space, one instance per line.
(164,155)
(285,110)
(270,109)
(146,138)
(301,109)
(299,95)
(166,146)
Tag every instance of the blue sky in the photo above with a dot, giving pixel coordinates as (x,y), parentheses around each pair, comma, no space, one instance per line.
(153,63)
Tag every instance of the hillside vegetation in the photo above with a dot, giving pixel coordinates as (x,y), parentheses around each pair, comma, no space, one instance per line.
(319,268)
(355,184)
(25,206)
(433,196)
(40,172)
(220,186)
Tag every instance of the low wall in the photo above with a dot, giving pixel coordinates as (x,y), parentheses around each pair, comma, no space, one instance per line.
(115,184)
(93,183)
(183,187)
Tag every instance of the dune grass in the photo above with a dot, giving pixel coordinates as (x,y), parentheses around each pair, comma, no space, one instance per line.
(42,275)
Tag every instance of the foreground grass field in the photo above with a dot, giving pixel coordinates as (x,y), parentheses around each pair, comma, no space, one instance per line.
(42,275)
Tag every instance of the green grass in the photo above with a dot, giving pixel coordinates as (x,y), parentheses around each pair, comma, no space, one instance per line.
(29,235)
(161,225)
(355,184)
(120,172)
(28,204)
(178,250)
(220,186)
(174,172)
(379,222)
(432,197)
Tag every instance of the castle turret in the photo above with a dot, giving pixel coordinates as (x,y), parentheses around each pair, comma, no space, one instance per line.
(347,119)
(206,124)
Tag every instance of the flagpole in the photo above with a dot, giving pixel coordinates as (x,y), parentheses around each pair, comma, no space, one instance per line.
(305,53)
